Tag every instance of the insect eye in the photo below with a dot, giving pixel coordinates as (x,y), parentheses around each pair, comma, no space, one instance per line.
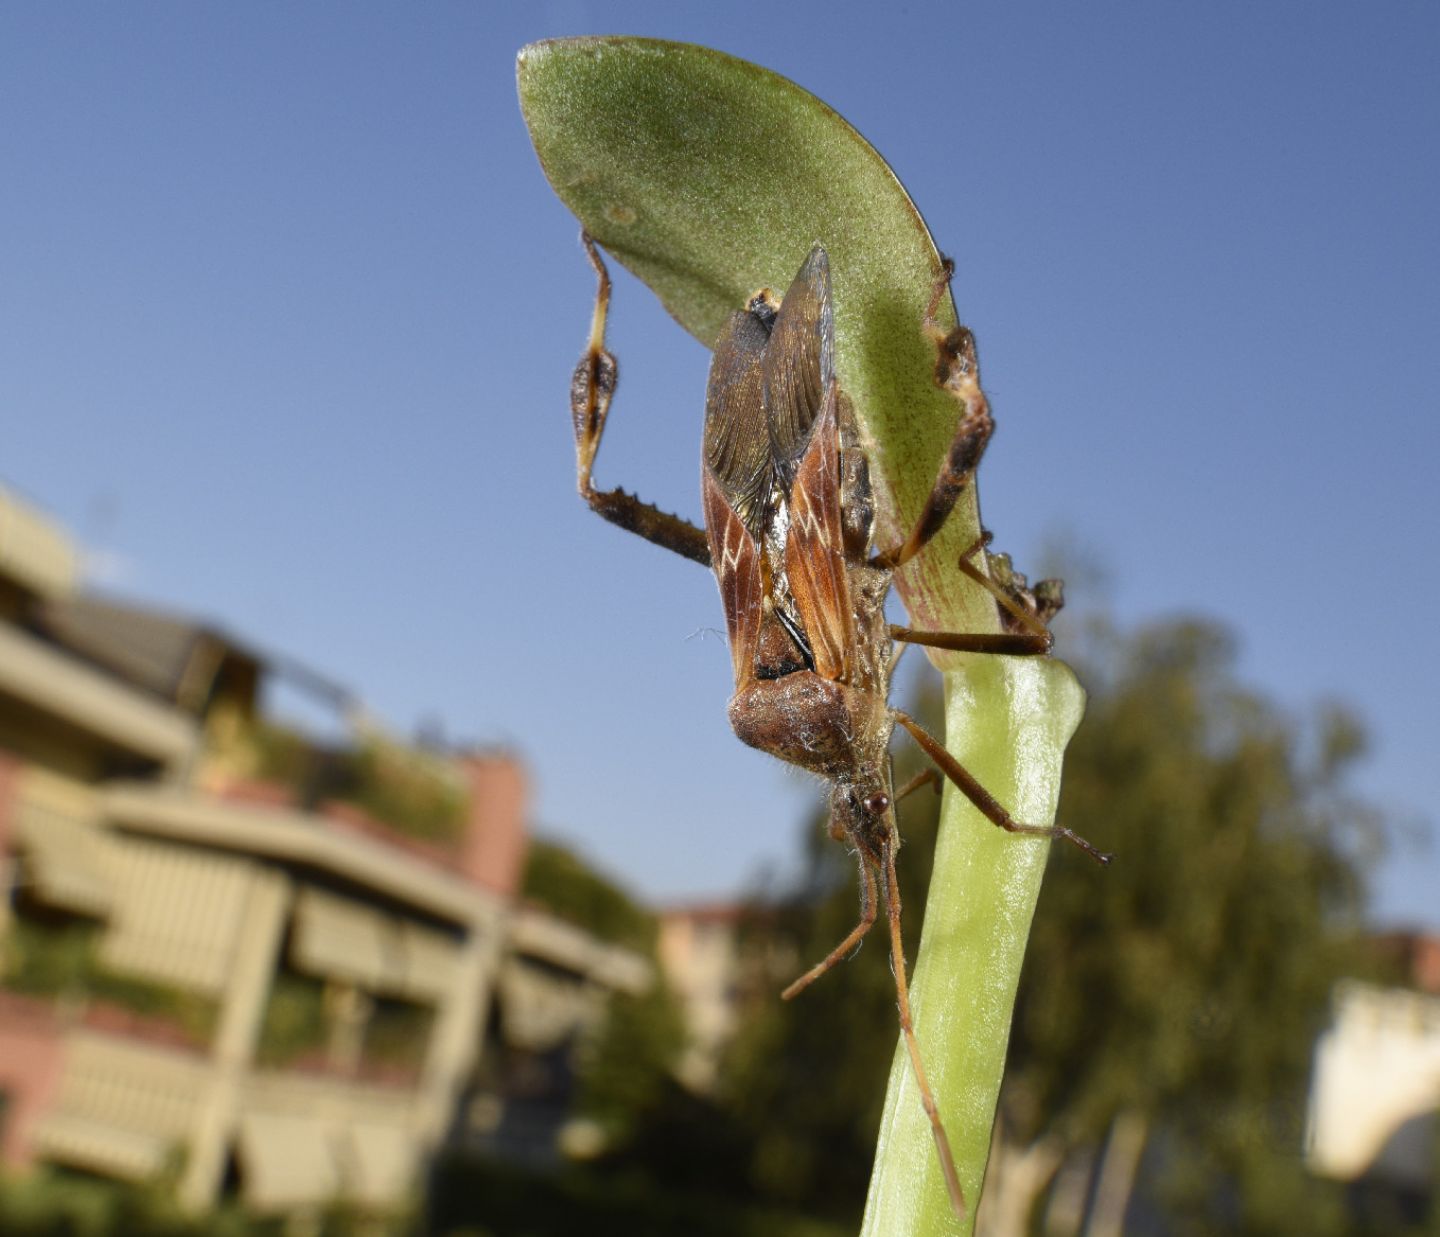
(877,803)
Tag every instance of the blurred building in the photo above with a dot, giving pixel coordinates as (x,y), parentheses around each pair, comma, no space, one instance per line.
(1414,957)
(1374,1112)
(238,959)
(720,960)
(551,992)
(699,951)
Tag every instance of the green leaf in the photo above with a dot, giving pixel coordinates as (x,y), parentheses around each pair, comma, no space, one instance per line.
(709,178)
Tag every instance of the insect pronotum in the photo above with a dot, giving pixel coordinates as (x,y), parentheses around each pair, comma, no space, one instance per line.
(789,519)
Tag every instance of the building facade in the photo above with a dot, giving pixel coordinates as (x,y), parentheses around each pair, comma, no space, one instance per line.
(1374,1107)
(233,959)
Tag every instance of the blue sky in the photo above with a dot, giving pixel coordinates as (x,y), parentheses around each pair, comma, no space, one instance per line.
(287,315)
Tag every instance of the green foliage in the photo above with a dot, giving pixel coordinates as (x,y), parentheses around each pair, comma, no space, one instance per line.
(710,177)
(1007,721)
(491,1200)
(406,789)
(413,793)
(56,1203)
(625,1071)
(1191,984)
(51,955)
(398,1032)
(282,755)
(295,1021)
(626,1064)
(572,890)
(624,1067)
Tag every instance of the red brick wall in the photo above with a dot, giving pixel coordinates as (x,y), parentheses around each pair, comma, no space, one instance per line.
(492,852)
(1427,963)
(31,1055)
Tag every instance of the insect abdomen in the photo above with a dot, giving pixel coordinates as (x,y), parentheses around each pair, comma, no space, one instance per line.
(802,718)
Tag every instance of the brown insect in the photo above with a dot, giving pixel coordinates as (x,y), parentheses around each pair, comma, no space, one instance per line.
(789,516)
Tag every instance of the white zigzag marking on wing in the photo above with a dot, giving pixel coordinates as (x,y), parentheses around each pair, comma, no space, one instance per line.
(730,559)
(806,517)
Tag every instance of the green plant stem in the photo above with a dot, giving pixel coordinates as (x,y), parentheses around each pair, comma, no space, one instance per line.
(1008,720)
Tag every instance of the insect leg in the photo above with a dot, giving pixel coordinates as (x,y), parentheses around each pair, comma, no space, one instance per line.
(1026,617)
(957,371)
(1014,643)
(1035,640)
(926,777)
(842,950)
(982,798)
(591,389)
(912,1045)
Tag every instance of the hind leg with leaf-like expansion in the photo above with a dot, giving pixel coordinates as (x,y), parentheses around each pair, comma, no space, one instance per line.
(591,389)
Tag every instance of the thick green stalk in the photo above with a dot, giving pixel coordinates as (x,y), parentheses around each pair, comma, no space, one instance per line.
(1008,720)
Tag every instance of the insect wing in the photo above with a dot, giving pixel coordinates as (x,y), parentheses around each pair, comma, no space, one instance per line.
(736,477)
(799,362)
(736,560)
(771,423)
(737,447)
(815,547)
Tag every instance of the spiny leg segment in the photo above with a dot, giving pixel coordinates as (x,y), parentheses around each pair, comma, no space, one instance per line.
(591,389)
(1035,640)
(957,371)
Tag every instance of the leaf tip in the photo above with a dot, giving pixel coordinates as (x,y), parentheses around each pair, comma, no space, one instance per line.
(529,56)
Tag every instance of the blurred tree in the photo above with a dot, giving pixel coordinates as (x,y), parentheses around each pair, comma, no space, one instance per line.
(1169,1003)
(625,1073)
(624,1067)
(1183,992)
(571,889)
